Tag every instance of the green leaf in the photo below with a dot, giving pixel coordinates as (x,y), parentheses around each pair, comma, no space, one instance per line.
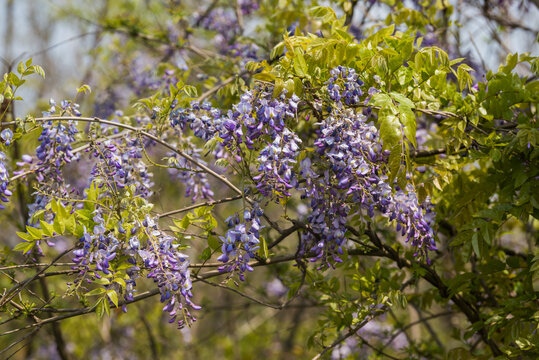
(191,91)
(47,228)
(492,266)
(184,223)
(290,86)
(524,344)
(476,244)
(113,297)
(487,233)
(213,242)
(96,291)
(92,193)
(102,281)
(463,77)
(206,254)
(403,100)
(14,79)
(62,212)
(71,224)
(25,236)
(520,178)
(36,233)
(20,68)
(300,66)
(381,99)
(394,162)
(407,119)
(511,61)
(100,308)
(277,50)
(121,282)
(401,177)
(495,155)
(84,89)
(54,206)
(390,131)
(263,251)
(59,225)
(39,70)
(461,238)
(278,88)
(322,12)
(25,247)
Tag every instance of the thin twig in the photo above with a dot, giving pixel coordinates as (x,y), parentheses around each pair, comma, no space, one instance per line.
(207,203)
(13,291)
(340,339)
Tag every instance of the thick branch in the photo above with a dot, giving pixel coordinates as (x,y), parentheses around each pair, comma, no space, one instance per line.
(434,279)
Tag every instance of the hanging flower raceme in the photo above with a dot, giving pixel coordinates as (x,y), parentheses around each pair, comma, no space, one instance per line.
(120,164)
(97,249)
(276,165)
(197,185)
(54,151)
(169,269)
(344,86)
(241,242)
(5,193)
(356,166)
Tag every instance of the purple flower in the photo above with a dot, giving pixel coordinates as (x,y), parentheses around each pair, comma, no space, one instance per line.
(5,193)
(7,135)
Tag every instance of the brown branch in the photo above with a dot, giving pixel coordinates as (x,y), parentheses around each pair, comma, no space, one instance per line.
(378,351)
(340,339)
(434,279)
(207,203)
(407,326)
(285,233)
(21,266)
(145,134)
(151,293)
(236,291)
(56,331)
(151,337)
(16,289)
(350,14)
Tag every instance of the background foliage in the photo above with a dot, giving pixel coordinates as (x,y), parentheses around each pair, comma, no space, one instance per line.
(345,179)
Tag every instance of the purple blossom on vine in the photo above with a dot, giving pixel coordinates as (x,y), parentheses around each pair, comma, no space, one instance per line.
(197,185)
(241,242)
(7,136)
(5,193)
(169,269)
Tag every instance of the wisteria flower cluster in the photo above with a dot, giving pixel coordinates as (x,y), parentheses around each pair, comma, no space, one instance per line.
(98,247)
(355,175)
(241,241)
(357,168)
(344,85)
(121,165)
(196,182)
(224,22)
(54,151)
(254,116)
(276,165)
(5,193)
(169,269)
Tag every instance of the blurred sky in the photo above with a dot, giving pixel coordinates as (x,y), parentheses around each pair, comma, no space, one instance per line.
(29,27)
